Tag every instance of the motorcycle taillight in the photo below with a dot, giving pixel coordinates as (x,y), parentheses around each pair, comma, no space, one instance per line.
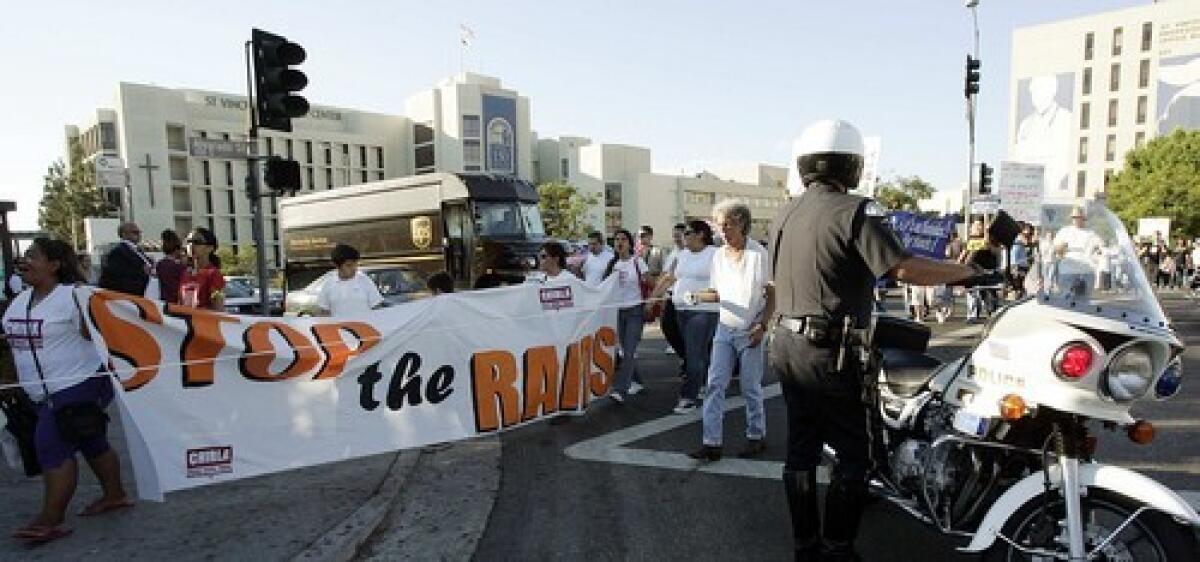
(1073,360)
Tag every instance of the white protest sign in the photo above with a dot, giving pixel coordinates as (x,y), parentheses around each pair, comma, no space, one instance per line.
(1021,189)
(211,397)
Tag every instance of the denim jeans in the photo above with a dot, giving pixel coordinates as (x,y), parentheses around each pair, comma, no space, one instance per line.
(698,328)
(731,345)
(629,334)
(974,304)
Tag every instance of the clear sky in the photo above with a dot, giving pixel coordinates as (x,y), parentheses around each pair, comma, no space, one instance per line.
(701,83)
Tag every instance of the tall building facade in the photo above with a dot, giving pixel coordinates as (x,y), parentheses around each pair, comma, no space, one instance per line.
(1083,92)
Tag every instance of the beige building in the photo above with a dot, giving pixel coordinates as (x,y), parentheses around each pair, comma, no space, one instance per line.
(1083,92)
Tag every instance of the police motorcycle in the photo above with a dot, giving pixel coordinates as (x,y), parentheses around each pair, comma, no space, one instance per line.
(998,446)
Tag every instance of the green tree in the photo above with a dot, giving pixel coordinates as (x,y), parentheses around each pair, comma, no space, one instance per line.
(1160,179)
(903,193)
(69,195)
(564,210)
(245,262)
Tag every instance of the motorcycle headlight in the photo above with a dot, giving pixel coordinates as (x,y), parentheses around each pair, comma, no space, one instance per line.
(1170,380)
(1129,375)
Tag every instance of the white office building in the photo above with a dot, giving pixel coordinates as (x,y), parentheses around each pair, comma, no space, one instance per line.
(1085,91)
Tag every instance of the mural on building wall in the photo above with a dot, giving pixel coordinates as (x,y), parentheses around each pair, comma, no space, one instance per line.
(1044,122)
(500,134)
(1178,93)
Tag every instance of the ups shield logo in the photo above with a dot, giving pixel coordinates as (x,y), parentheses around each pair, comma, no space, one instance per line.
(422,232)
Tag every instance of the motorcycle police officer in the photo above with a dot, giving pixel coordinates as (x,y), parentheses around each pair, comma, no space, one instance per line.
(827,250)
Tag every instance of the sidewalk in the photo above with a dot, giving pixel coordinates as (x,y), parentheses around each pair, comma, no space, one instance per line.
(322,513)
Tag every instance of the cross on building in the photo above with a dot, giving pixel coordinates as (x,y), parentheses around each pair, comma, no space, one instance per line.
(149,166)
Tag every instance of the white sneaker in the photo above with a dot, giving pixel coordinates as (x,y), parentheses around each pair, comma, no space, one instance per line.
(635,388)
(669,350)
(685,406)
(616,397)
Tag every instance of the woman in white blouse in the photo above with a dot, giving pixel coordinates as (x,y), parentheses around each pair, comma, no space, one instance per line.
(690,272)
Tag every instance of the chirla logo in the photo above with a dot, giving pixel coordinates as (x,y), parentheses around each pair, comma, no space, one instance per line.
(209,461)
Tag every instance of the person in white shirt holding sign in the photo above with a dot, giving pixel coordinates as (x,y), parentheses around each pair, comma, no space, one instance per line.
(630,271)
(1077,250)
(552,261)
(595,261)
(348,292)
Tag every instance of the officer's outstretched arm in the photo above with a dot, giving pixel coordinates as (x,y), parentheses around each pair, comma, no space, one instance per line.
(916,270)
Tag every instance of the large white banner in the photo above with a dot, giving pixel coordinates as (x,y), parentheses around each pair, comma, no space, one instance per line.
(211,397)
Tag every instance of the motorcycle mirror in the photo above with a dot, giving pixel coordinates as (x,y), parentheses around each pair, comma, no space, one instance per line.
(1004,229)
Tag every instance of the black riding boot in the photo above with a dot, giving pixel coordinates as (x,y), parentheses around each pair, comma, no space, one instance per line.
(843,511)
(801,487)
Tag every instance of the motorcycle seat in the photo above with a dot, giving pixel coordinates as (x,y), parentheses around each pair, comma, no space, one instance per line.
(906,372)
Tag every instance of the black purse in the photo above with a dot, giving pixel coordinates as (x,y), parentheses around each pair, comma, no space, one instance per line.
(22,423)
(77,421)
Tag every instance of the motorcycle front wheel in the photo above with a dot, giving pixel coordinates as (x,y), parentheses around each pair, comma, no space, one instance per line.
(1040,525)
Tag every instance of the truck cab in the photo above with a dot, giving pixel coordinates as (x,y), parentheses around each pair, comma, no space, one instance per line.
(464,224)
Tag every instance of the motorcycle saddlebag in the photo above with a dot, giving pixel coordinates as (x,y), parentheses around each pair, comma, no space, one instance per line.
(890,332)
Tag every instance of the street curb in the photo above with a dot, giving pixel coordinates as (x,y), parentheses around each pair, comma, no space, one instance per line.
(341,542)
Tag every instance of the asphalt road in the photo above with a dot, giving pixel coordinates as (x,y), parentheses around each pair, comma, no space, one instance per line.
(644,501)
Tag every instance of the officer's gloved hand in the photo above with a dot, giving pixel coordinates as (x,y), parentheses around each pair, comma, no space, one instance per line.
(981,277)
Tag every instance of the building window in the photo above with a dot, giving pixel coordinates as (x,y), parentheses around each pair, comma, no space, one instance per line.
(1085,115)
(471,127)
(612,194)
(328,154)
(212,225)
(1139,139)
(183,225)
(379,176)
(362,156)
(1144,73)
(308,152)
(472,152)
(423,156)
(1118,38)
(1087,81)
(1114,77)
(328,178)
(229,173)
(1108,176)
(206,172)
(1080,183)
(1141,110)
(233,235)
(308,172)
(422,133)
(566,167)
(1089,45)
(208,207)
(1147,36)
(379,157)
(181,200)
(108,136)
(1083,146)
(1110,148)
(270,146)
(179,168)
(1112,112)
(176,138)
(364,176)
(289,145)
(230,198)
(224,136)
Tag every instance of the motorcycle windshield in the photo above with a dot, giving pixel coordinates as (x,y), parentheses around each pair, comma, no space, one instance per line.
(1087,262)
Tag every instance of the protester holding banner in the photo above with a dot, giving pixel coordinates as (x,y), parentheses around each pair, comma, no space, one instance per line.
(348,292)
(741,284)
(57,367)
(690,271)
(631,274)
(171,267)
(1019,260)
(202,285)
(976,250)
(596,259)
(552,261)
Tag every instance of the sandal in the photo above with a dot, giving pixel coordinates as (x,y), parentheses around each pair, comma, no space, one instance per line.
(37,536)
(100,507)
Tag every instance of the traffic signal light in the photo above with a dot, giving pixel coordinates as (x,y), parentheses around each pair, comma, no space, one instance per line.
(275,82)
(971,86)
(985,179)
(282,176)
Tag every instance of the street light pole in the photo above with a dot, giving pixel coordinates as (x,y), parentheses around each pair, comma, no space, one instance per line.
(973,5)
(254,191)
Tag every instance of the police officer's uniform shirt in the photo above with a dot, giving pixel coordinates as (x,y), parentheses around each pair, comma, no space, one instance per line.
(827,250)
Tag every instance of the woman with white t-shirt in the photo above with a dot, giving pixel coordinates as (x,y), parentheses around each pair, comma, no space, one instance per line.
(348,292)
(741,284)
(552,261)
(690,271)
(58,367)
(631,273)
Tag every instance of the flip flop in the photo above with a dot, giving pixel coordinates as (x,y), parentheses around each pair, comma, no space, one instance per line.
(102,507)
(43,535)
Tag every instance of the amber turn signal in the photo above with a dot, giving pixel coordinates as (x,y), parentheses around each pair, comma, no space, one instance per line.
(1141,432)
(1012,407)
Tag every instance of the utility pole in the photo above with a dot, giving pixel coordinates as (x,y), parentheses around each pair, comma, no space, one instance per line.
(971,90)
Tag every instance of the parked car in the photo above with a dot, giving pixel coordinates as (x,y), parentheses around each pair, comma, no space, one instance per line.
(241,296)
(397,284)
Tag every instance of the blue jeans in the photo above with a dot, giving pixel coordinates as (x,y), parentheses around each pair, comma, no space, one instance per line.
(698,328)
(629,334)
(730,345)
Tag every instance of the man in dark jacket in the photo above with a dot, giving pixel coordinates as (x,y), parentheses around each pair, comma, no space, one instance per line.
(126,268)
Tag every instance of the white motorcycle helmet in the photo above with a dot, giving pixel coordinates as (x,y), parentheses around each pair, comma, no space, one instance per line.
(830,151)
